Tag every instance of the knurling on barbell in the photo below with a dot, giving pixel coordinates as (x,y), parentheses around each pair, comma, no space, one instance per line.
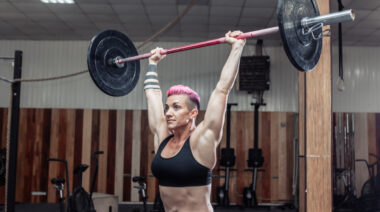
(114,65)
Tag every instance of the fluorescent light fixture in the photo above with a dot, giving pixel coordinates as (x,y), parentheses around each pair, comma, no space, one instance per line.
(58,1)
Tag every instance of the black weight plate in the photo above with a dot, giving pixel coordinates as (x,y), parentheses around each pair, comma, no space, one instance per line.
(302,50)
(111,79)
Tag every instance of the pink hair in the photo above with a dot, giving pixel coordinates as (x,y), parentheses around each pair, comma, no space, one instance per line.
(181,89)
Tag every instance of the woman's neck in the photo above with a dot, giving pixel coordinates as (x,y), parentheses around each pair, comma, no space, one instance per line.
(182,134)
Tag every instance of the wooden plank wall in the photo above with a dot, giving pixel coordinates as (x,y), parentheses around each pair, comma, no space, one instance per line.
(3,138)
(74,134)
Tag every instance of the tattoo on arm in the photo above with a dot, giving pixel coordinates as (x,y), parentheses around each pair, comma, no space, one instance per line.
(151,80)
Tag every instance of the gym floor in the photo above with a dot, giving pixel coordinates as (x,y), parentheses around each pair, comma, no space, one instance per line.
(42,207)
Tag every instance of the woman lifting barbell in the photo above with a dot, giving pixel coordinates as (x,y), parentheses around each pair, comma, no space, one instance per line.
(186,153)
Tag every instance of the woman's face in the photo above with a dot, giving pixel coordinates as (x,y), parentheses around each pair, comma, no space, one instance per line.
(177,112)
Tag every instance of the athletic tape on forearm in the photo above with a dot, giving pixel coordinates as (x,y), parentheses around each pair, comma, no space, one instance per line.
(151,79)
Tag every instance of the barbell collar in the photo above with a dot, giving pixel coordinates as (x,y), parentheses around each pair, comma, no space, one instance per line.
(328,19)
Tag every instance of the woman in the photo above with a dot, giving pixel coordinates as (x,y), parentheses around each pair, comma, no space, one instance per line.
(186,153)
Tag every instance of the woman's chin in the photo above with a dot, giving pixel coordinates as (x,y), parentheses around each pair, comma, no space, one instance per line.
(171,127)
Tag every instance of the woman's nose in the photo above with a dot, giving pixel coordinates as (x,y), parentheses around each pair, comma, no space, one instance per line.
(168,112)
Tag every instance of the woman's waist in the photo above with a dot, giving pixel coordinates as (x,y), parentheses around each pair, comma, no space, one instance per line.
(186,196)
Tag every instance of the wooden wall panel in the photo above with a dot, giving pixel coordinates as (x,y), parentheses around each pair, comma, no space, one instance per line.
(371,123)
(79,119)
(289,159)
(53,153)
(146,148)
(111,152)
(39,164)
(282,153)
(274,155)
(67,133)
(136,151)
(75,133)
(88,122)
(274,182)
(23,166)
(103,144)
(3,126)
(99,121)
(44,171)
(244,139)
(361,150)
(152,183)
(127,155)
(264,177)
(36,151)
(234,194)
(69,142)
(119,154)
(285,157)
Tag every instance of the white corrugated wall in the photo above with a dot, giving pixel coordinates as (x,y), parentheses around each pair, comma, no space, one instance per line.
(361,77)
(199,69)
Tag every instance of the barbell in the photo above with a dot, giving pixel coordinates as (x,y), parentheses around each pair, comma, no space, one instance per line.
(114,65)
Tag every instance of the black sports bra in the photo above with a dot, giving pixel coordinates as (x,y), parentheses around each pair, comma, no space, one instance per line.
(180,170)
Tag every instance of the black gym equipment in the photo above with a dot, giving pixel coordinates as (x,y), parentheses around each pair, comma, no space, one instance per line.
(299,24)
(255,161)
(13,135)
(255,156)
(227,160)
(141,187)
(370,192)
(59,185)
(158,206)
(67,208)
(80,200)
(95,159)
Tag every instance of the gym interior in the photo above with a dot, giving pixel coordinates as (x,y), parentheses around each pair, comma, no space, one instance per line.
(302,122)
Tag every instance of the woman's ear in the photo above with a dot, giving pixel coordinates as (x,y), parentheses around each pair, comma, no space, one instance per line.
(194,113)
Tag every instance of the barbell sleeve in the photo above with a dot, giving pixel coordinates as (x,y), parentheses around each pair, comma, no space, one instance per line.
(331,18)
